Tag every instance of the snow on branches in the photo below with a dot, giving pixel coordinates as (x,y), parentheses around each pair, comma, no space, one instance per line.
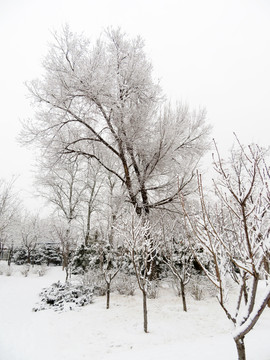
(141,244)
(233,232)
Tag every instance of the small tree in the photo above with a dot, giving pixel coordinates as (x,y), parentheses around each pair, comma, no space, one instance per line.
(177,256)
(104,258)
(235,236)
(30,233)
(141,246)
(110,266)
(66,237)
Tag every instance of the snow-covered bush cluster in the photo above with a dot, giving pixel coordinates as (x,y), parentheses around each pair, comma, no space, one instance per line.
(48,253)
(61,297)
(25,270)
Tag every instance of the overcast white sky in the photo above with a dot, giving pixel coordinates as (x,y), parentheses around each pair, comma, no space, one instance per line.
(210,53)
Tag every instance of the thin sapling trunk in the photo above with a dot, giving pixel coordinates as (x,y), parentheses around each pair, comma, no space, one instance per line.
(145,318)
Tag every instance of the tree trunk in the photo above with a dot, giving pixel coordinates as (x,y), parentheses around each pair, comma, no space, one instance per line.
(245,292)
(108,293)
(10,256)
(267,269)
(67,273)
(28,256)
(145,322)
(87,236)
(183,294)
(240,345)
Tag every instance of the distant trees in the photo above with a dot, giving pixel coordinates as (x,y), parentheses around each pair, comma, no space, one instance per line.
(9,210)
(30,234)
(234,235)
(8,204)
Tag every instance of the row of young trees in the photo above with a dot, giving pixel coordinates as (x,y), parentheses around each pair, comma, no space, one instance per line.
(120,161)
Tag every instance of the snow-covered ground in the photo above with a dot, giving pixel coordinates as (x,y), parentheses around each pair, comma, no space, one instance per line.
(93,332)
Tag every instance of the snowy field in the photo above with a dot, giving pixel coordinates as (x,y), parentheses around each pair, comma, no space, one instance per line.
(95,333)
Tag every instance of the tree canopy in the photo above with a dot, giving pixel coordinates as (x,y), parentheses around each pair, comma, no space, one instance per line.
(99,100)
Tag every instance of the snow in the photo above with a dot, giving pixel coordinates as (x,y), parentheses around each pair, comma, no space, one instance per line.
(93,332)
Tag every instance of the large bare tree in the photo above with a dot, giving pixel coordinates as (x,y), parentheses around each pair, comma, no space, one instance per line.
(100,101)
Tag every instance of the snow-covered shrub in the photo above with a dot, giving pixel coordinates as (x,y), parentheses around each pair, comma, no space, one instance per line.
(25,270)
(95,280)
(200,288)
(81,260)
(126,284)
(67,296)
(20,256)
(152,289)
(37,256)
(1,269)
(196,291)
(175,285)
(51,254)
(42,270)
(5,269)
(39,270)
(9,270)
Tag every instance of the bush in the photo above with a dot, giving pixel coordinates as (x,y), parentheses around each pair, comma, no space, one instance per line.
(20,256)
(200,288)
(9,270)
(95,280)
(51,254)
(1,269)
(152,288)
(196,292)
(39,270)
(81,260)
(125,284)
(42,270)
(61,297)
(5,269)
(25,270)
